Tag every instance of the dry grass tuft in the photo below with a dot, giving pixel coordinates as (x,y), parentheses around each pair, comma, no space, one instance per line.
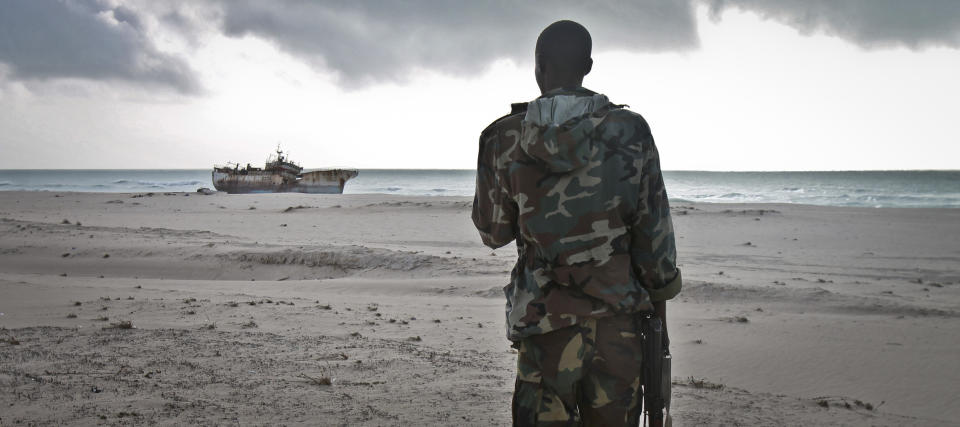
(250,324)
(317,380)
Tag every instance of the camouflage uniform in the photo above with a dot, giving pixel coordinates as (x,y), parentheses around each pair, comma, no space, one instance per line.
(576,180)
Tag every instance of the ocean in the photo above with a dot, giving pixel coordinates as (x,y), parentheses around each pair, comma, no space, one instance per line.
(852,188)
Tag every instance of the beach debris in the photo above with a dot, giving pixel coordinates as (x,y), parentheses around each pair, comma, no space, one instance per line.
(293,208)
(233,304)
(122,414)
(66,221)
(206,191)
(333,356)
(843,402)
(106,255)
(698,341)
(738,319)
(12,340)
(356,335)
(372,307)
(63,274)
(102,319)
(65,254)
(283,225)
(77,303)
(748,244)
(704,384)
(71,315)
(250,324)
(416,338)
(123,324)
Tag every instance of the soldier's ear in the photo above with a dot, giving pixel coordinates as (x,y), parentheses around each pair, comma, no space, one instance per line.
(588,66)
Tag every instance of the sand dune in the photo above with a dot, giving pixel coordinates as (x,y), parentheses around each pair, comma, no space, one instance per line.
(371,310)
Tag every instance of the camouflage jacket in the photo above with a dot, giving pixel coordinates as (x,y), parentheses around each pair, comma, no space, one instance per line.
(576,180)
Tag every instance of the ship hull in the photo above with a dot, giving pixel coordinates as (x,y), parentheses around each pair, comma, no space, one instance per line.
(315,182)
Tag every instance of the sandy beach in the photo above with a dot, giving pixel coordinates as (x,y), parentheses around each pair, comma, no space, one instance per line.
(290,309)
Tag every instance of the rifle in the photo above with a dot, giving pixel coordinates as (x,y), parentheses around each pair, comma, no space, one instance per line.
(656,372)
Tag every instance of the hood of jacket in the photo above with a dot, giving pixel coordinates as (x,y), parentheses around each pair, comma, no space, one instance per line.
(558,127)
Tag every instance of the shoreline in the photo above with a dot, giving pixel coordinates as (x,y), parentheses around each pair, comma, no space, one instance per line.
(831,296)
(673,201)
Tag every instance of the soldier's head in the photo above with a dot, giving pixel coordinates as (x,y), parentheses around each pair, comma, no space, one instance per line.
(562,56)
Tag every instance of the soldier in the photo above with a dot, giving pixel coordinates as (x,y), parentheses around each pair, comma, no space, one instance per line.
(576,180)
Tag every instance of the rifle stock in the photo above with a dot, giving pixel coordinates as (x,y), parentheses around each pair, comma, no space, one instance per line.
(656,373)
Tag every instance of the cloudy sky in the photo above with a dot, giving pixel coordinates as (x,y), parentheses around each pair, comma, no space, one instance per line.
(725,84)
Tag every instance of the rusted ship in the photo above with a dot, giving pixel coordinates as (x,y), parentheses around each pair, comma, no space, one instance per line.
(280,175)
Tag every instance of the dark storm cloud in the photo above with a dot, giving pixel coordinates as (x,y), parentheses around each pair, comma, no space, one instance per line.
(371,41)
(382,40)
(377,40)
(868,23)
(47,39)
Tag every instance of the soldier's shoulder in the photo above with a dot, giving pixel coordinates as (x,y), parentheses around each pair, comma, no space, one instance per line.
(512,119)
(623,116)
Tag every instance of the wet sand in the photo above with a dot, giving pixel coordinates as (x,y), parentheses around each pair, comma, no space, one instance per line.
(384,310)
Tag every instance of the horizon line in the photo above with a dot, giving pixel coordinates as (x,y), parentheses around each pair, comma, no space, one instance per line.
(472,169)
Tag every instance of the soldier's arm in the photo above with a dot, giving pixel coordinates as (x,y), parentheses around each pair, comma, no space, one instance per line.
(653,249)
(494,213)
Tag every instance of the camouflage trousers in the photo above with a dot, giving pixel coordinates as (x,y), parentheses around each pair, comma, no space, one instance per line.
(585,374)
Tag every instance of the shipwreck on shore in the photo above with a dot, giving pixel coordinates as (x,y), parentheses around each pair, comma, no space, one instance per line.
(280,175)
